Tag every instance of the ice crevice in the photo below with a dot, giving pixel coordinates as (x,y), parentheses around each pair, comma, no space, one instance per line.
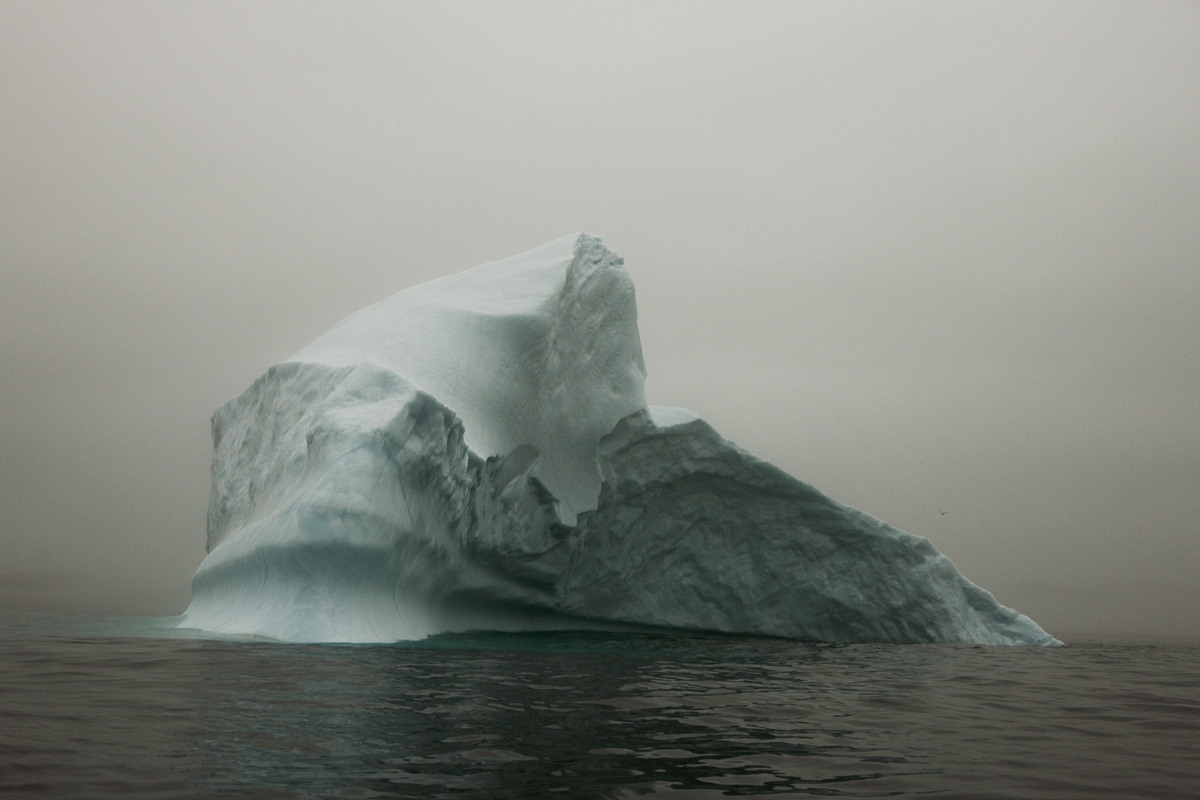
(476,452)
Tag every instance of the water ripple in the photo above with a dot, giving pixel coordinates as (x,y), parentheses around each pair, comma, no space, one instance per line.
(593,715)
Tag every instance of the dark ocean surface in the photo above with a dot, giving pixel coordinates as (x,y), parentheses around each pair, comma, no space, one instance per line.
(122,708)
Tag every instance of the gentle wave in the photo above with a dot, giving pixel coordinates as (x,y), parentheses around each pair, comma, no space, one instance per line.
(89,710)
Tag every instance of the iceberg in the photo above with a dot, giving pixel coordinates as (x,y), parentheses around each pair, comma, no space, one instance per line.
(476,452)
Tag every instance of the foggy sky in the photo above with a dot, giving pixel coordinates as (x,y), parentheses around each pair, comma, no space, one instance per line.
(923,256)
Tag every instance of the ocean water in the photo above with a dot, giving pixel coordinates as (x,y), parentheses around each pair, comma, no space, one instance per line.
(124,708)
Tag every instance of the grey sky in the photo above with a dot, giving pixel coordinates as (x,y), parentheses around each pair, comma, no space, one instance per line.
(921,255)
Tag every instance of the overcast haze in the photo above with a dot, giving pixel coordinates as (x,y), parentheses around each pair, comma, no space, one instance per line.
(923,256)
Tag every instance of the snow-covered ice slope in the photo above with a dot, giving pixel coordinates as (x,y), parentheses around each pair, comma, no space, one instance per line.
(476,452)
(540,349)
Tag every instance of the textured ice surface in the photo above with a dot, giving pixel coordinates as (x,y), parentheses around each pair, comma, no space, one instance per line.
(476,452)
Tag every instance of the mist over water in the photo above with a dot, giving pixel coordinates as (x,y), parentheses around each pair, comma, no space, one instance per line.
(124,708)
(924,256)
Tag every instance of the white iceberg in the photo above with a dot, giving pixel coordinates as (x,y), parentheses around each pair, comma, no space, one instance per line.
(477,452)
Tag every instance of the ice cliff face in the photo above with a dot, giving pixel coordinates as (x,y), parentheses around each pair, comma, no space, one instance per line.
(476,452)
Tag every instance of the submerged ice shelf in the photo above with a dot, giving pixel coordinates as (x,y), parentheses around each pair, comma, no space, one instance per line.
(477,452)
